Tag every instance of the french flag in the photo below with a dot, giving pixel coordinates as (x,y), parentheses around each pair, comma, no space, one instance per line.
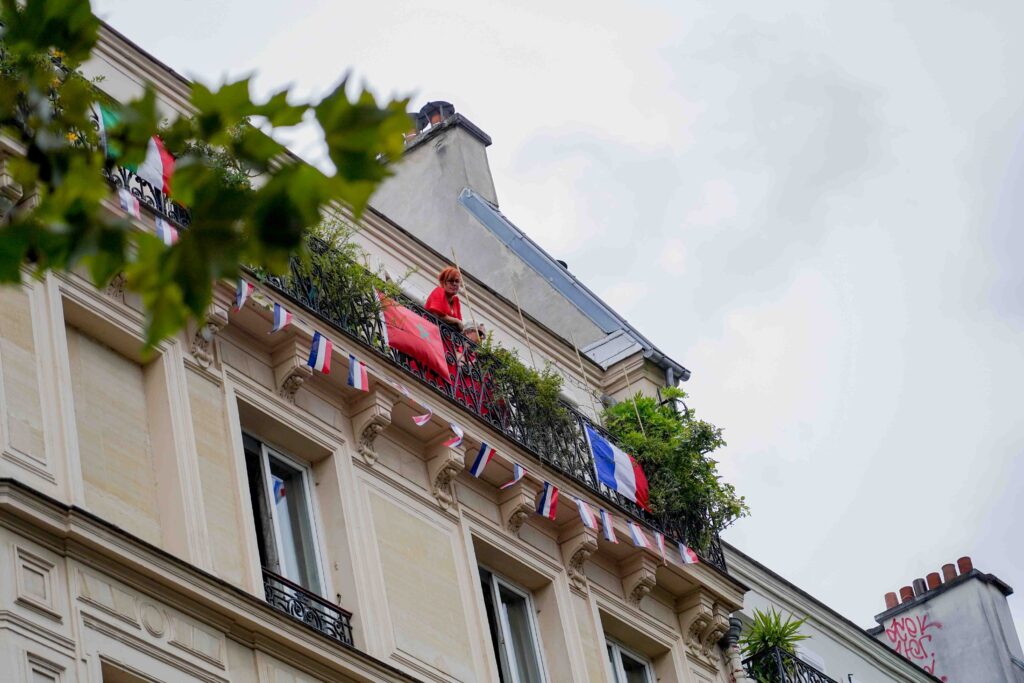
(456,440)
(423,419)
(608,526)
(586,514)
(320,354)
(548,505)
(357,377)
(687,554)
(483,456)
(518,472)
(282,318)
(659,540)
(167,233)
(129,202)
(639,539)
(242,293)
(617,470)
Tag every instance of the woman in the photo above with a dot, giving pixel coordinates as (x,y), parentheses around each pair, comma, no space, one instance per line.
(444,300)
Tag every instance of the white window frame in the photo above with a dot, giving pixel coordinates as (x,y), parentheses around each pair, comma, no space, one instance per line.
(618,649)
(266,452)
(508,655)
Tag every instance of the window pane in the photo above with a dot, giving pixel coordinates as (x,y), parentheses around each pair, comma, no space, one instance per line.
(615,666)
(260,509)
(291,508)
(486,586)
(636,671)
(520,636)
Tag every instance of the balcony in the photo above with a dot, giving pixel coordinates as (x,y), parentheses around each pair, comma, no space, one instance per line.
(561,445)
(312,610)
(779,666)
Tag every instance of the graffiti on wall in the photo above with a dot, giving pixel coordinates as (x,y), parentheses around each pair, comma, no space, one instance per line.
(909,637)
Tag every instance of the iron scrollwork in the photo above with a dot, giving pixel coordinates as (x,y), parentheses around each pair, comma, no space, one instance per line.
(312,610)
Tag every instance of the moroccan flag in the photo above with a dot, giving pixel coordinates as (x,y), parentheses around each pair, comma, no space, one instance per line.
(414,336)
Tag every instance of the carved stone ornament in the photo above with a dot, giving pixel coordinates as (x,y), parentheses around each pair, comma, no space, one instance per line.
(517,503)
(639,576)
(202,338)
(576,550)
(115,288)
(443,465)
(703,623)
(290,368)
(370,417)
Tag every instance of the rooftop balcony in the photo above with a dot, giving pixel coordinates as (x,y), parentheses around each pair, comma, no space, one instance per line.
(779,666)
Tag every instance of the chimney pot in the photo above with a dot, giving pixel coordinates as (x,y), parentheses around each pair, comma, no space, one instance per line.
(964,564)
(891,600)
(920,587)
(934,581)
(948,573)
(906,594)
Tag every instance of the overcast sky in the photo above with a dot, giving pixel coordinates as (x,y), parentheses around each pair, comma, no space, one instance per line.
(815,206)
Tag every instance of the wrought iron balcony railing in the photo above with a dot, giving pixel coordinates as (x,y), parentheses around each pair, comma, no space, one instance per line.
(558,443)
(312,610)
(779,666)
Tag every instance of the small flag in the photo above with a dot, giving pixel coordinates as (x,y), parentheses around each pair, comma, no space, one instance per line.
(639,539)
(357,377)
(608,526)
(548,505)
(167,233)
(129,202)
(659,540)
(518,472)
(320,354)
(402,389)
(278,489)
(687,554)
(456,440)
(483,456)
(242,293)
(586,514)
(282,319)
(423,419)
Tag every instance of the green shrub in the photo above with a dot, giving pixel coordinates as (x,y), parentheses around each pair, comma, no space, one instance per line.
(768,632)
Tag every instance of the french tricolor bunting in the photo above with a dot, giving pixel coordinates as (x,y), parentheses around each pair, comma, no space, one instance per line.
(617,470)
(320,354)
(357,377)
(282,318)
(548,504)
(456,440)
(518,472)
(483,456)
(167,233)
(687,554)
(586,514)
(129,202)
(242,293)
(608,527)
(659,540)
(423,419)
(637,534)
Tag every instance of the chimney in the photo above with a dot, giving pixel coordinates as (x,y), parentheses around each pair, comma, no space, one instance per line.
(933,581)
(906,594)
(891,600)
(948,573)
(920,588)
(965,565)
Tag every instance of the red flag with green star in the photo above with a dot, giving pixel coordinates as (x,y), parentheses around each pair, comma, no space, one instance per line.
(415,336)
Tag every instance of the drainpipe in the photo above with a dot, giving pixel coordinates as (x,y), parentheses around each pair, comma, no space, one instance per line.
(730,643)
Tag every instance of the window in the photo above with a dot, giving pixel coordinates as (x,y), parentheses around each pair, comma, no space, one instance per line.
(280,495)
(628,666)
(513,630)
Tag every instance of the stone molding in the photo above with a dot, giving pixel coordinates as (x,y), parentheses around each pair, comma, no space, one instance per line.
(444,464)
(517,503)
(578,545)
(703,622)
(639,576)
(290,368)
(201,346)
(371,415)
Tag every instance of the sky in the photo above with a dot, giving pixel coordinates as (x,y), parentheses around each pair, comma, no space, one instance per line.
(814,206)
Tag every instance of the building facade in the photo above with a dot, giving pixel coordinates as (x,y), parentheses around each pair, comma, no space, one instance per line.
(222,512)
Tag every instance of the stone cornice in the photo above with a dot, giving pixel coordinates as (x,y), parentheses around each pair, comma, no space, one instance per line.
(79,535)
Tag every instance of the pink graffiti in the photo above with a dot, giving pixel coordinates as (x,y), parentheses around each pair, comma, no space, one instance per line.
(909,637)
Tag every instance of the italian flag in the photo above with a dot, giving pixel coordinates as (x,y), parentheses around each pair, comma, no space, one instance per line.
(158,166)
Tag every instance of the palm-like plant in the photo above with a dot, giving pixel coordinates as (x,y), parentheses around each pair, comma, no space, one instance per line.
(767,633)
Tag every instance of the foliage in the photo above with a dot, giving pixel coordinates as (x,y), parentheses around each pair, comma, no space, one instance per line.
(768,632)
(59,223)
(673,448)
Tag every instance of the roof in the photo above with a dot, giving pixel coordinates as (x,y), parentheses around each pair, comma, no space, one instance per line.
(622,336)
(990,579)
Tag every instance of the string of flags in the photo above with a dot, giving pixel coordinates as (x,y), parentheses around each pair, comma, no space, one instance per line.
(615,469)
(167,233)
(129,202)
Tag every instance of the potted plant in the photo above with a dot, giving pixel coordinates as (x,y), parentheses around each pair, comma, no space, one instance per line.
(768,633)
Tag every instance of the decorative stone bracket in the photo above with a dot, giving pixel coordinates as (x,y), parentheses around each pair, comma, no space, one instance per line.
(371,415)
(203,334)
(577,544)
(638,574)
(290,368)
(703,623)
(517,503)
(443,465)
